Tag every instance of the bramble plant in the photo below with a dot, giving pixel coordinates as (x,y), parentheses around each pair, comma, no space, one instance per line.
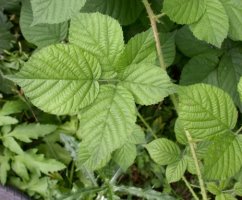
(119,91)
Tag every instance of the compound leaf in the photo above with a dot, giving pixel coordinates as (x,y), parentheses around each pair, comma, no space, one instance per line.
(60,79)
(4,168)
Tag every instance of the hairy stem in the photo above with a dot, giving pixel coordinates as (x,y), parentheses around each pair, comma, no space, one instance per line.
(190,188)
(195,159)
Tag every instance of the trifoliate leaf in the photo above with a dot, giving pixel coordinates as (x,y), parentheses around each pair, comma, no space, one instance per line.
(4,168)
(206,111)
(125,11)
(203,69)
(36,163)
(213,27)
(11,144)
(60,79)
(163,151)
(41,34)
(99,34)
(105,125)
(229,73)
(125,155)
(7,120)
(55,11)
(234,11)
(28,132)
(148,83)
(224,157)
(184,11)
(176,170)
(189,45)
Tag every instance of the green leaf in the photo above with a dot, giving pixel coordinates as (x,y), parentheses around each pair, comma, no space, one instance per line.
(213,27)
(206,111)
(28,132)
(99,34)
(4,168)
(36,163)
(229,73)
(238,188)
(189,45)
(184,11)
(176,170)
(11,144)
(224,158)
(163,151)
(41,34)
(137,136)
(125,155)
(240,89)
(55,11)
(148,83)
(225,197)
(125,11)
(106,124)
(233,9)
(19,168)
(60,79)
(12,107)
(139,49)
(213,188)
(6,120)
(201,69)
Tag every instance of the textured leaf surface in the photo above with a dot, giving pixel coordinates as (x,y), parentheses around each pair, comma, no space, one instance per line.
(206,111)
(213,27)
(148,83)
(163,151)
(184,11)
(12,107)
(125,11)
(5,36)
(224,158)
(11,144)
(105,126)
(28,132)
(55,11)
(176,170)
(234,11)
(200,69)
(41,34)
(229,73)
(240,89)
(100,35)
(225,197)
(60,79)
(7,120)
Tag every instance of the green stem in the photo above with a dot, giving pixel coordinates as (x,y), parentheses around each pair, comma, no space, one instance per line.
(190,188)
(147,125)
(238,131)
(199,174)
(116,175)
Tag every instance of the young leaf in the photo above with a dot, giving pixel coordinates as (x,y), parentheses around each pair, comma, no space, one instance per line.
(176,170)
(184,11)
(19,168)
(163,151)
(105,125)
(55,11)
(41,34)
(12,107)
(213,27)
(28,132)
(234,11)
(206,111)
(11,144)
(60,79)
(224,158)
(99,34)
(148,83)
(4,168)
(125,11)
(7,120)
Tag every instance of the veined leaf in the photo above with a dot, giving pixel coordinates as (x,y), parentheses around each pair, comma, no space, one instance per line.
(163,151)
(41,34)
(137,136)
(148,83)
(27,132)
(225,196)
(240,89)
(213,27)
(184,11)
(12,107)
(224,158)
(99,34)
(55,11)
(125,11)
(206,111)
(234,11)
(105,125)
(60,79)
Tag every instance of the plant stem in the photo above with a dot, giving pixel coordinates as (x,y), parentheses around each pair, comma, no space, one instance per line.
(190,188)
(147,125)
(116,175)
(153,18)
(238,131)
(199,174)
